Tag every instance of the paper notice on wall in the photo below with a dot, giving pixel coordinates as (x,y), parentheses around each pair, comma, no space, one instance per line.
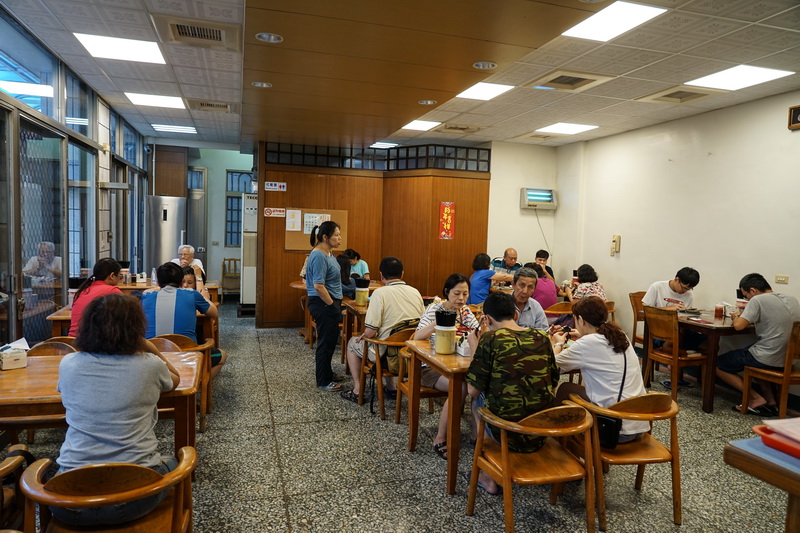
(314,219)
(293,220)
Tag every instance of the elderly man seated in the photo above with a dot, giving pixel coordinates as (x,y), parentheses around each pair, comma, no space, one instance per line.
(530,312)
(45,266)
(186,258)
(506,264)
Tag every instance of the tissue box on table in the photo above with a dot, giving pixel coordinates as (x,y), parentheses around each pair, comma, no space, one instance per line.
(13,358)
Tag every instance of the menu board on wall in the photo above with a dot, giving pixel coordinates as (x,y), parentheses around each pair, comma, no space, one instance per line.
(310,217)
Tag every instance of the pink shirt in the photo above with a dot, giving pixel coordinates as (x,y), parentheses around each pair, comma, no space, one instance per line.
(546,293)
(95,290)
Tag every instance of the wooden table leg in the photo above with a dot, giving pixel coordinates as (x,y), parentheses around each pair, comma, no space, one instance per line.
(453,429)
(793,514)
(710,377)
(56,328)
(414,374)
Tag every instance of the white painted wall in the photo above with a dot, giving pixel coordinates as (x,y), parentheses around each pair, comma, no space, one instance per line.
(217,163)
(718,192)
(515,166)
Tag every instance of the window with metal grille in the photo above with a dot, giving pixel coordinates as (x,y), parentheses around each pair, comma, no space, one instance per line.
(238,182)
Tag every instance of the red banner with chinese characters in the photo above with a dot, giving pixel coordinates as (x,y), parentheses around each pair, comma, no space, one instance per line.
(447,213)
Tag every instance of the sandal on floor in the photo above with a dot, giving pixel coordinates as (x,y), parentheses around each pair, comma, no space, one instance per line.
(441,450)
(761,410)
(482,486)
(349,395)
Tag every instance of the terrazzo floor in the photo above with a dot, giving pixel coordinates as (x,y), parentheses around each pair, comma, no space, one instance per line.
(281,455)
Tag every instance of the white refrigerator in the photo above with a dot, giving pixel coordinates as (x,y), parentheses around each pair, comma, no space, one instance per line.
(247,293)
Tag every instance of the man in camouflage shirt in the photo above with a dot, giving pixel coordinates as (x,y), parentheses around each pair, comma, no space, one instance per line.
(513,373)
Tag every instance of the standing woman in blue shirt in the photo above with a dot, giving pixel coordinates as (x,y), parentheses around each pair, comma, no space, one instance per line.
(324,287)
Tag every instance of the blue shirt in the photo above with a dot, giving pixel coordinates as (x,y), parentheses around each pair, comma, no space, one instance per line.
(361,268)
(173,310)
(323,268)
(479,285)
(532,315)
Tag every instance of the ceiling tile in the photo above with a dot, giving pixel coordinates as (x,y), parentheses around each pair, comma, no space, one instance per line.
(230,14)
(747,10)
(627,88)
(789,20)
(518,74)
(182,8)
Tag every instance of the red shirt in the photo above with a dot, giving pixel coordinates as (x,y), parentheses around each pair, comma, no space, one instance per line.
(95,290)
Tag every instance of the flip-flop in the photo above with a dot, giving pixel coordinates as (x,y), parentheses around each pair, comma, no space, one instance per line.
(441,450)
(481,485)
(761,410)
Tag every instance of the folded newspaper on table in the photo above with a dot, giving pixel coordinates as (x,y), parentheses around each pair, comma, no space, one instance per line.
(14,355)
(788,427)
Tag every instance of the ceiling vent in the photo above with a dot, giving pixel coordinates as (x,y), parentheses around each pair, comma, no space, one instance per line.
(566,80)
(682,94)
(213,106)
(456,128)
(536,137)
(188,32)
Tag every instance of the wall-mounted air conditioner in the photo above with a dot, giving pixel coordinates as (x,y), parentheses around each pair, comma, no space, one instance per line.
(537,198)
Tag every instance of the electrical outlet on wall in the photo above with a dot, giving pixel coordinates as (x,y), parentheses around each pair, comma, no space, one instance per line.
(784,280)
(214,243)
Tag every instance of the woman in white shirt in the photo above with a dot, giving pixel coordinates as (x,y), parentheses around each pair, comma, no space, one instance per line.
(601,352)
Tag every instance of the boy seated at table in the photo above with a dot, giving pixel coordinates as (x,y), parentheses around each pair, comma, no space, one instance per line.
(513,373)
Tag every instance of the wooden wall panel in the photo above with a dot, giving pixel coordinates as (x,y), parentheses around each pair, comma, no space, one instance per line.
(360,196)
(171,168)
(471,197)
(407,226)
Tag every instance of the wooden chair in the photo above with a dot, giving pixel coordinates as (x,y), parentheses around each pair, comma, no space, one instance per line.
(785,378)
(642,451)
(231,277)
(65,340)
(396,340)
(403,387)
(638,315)
(50,348)
(552,464)
(108,484)
(164,345)
(611,311)
(185,344)
(32,423)
(11,499)
(662,324)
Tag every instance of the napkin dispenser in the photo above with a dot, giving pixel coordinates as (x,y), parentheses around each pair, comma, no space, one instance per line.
(13,358)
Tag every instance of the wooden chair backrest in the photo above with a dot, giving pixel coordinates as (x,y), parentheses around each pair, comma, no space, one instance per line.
(637,305)
(102,479)
(793,348)
(50,348)
(185,343)
(662,324)
(554,422)
(398,338)
(230,267)
(562,308)
(647,407)
(65,340)
(165,345)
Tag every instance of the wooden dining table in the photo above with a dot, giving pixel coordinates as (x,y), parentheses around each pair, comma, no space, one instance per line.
(32,392)
(306,331)
(454,368)
(127,288)
(353,322)
(62,318)
(713,329)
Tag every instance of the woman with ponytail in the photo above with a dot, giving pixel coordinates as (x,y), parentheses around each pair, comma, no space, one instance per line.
(601,352)
(324,288)
(104,280)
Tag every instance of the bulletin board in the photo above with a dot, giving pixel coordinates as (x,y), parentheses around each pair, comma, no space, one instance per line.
(299,239)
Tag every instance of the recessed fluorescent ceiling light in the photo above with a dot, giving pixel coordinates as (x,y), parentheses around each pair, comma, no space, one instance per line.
(565,128)
(485,91)
(381,144)
(123,49)
(27,89)
(155,100)
(614,20)
(174,129)
(739,77)
(421,125)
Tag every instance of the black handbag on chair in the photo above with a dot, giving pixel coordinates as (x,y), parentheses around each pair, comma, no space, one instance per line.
(608,427)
